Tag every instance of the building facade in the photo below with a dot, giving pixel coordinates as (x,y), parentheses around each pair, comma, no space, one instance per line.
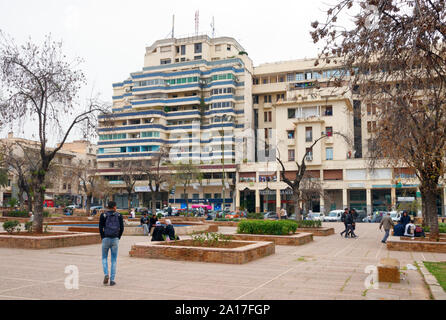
(193,91)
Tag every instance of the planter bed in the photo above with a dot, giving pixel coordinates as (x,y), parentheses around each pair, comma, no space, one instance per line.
(245,251)
(297,239)
(24,220)
(49,240)
(224,223)
(418,244)
(319,232)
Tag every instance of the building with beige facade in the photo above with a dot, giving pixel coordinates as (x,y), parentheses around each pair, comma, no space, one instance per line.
(190,89)
(65,185)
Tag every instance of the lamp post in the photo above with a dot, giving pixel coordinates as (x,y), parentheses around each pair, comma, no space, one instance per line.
(223,163)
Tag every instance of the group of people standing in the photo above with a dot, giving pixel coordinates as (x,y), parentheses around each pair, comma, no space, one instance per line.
(348,218)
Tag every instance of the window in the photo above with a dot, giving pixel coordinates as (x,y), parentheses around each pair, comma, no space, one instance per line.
(328,110)
(329,153)
(309,152)
(290,134)
(183,50)
(197,58)
(300,76)
(291,155)
(329,131)
(111,164)
(255,81)
(69,187)
(267,99)
(308,134)
(228,47)
(281,79)
(291,113)
(267,116)
(308,75)
(197,48)
(217,195)
(196,196)
(289,77)
(255,99)
(165,61)
(208,195)
(64,186)
(280,96)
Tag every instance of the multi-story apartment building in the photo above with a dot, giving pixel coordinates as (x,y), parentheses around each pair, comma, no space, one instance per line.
(66,185)
(190,93)
(274,110)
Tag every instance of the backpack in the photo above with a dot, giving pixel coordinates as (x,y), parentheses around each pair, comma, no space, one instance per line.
(418,229)
(112,225)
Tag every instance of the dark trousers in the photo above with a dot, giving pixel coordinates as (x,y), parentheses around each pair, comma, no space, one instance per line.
(345,230)
(350,231)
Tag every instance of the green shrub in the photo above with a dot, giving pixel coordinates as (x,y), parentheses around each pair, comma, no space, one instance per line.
(29,226)
(23,214)
(11,226)
(255,215)
(441,228)
(13,202)
(279,227)
(225,219)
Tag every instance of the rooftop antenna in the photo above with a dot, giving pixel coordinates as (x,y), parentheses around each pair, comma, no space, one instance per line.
(173,26)
(197,21)
(213,27)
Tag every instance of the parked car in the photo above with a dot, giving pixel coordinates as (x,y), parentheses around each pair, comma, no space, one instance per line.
(72,206)
(96,207)
(377,216)
(395,216)
(232,215)
(315,216)
(270,215)
(361,215)
(334,216)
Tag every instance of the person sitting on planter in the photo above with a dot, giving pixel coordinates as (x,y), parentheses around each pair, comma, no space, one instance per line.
(145,224)
(405,219)
(152,221)
(398,230)
(410,230)
(158,231)
(169,231)
(419,232)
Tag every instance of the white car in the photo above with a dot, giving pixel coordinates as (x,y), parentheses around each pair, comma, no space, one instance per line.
(395,216)
(316,216)
(334,216)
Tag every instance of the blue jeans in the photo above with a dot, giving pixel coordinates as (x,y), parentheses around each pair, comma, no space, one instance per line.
(146,229)
(386,235)
(110,244)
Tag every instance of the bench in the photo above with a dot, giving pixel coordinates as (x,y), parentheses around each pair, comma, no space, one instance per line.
(389,270)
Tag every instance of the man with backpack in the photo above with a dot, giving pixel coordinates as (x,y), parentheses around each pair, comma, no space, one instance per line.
(111,227)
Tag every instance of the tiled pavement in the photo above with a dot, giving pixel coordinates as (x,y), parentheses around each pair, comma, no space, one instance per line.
(329,268)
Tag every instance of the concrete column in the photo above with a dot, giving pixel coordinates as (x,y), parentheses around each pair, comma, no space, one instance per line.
(368,193)
(278,201)
(257,201)
(393,197)
(322,204)
(237,200)
(344,198)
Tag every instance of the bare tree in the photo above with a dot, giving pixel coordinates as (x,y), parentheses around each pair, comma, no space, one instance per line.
(130,173)
(157,173)
(38,84)
(395,58)
(185,175)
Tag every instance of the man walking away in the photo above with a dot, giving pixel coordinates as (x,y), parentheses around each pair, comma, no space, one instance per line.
(387,222)
(349,221)
(344,215)
(111,227)
(145,224)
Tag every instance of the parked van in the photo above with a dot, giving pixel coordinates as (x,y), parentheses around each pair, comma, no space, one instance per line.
(334,216)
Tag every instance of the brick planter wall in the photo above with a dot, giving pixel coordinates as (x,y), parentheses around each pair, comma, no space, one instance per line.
(396,244)
(291,240)
(180,231)
(47,242)
(224,223)
(319,232)
(240,255)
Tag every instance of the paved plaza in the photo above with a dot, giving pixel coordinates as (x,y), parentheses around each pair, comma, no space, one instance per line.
(328,268)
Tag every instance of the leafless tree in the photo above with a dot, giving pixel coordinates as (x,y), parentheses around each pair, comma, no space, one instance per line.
(157,173)
(395,58)
(39,84)
(131,173)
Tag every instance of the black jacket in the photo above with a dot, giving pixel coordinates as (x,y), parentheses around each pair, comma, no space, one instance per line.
(405,220)
(153,221)
(157,234)
(144,220)
(170,231)
(102,224)
(349,219)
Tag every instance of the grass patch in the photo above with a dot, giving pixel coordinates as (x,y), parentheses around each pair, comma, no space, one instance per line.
(438,270)
(345,283)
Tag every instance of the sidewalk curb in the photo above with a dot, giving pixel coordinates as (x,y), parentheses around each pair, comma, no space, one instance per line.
(435,289)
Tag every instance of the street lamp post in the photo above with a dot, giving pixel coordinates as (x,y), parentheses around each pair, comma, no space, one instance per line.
(223,163)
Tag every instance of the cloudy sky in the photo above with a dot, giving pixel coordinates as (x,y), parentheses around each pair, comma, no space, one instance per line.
(111,35)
